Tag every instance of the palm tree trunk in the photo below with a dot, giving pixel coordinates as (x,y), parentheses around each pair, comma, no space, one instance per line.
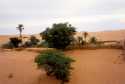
(21,35)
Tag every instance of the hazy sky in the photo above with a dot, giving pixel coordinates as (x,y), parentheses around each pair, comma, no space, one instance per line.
(85,15)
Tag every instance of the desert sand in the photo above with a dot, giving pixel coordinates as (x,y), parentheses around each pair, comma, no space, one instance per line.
(100,66)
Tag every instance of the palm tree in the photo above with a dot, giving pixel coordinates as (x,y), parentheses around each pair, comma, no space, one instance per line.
(85,34)
(80,41)
(20,28)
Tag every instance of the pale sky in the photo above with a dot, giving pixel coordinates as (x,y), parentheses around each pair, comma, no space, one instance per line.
(85,15)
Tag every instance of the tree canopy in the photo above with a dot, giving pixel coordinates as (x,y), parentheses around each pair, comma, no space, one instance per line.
(59,35)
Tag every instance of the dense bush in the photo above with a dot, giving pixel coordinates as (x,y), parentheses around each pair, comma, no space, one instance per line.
(15,41)
(55,64)
(59,36)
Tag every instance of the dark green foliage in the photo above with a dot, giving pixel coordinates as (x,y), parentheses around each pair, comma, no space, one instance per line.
(34,41)
(93,40)
(55,64)
(59,36)
(15,41)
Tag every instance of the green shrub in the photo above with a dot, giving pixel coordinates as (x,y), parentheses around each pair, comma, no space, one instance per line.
(59,36)
(55,64)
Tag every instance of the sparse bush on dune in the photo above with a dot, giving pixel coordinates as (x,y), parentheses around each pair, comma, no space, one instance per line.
(93,40)
(55,64)
(13,43)
(7,45)
(33,42)
(59,36)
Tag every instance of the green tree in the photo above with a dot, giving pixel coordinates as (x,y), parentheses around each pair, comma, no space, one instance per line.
(20,28)
(56,64)
(59,36)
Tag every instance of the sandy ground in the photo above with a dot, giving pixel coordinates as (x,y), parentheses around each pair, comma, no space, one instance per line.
(102,66)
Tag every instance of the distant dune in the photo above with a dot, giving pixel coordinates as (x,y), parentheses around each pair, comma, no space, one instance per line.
(107,35)
(102,36)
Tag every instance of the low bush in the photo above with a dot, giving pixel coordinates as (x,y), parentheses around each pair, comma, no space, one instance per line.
(27,44)
(32,42)
(8,45)
(55,64)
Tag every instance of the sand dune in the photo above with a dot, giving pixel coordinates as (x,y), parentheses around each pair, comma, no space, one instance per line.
(102,66)
(107,35)
(103,36)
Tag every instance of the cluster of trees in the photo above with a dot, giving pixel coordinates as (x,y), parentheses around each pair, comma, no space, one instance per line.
(59,36)
(82,41)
